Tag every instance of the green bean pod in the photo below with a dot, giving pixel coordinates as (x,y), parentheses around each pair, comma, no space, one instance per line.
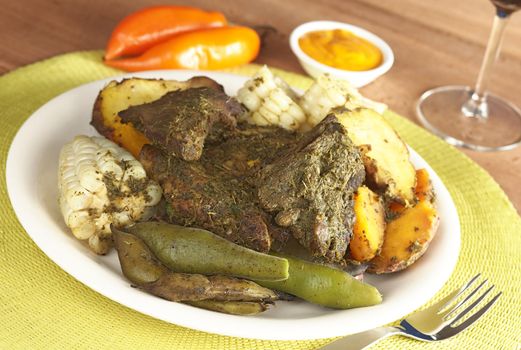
(138,264)
(195,287)
(192,250)
(244,308)
(325,286)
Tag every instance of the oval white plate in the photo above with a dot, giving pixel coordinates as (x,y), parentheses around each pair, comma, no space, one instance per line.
(31,177)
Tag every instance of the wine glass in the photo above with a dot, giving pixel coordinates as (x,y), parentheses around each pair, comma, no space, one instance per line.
(471,117)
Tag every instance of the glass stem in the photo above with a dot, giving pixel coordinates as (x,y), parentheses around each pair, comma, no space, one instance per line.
(477,106)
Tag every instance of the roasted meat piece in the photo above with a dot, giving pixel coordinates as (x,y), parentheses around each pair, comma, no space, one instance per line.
(250,148)
(262,183)
(118,96)
(252,185)
(309,189)
(181,121)
(214,201)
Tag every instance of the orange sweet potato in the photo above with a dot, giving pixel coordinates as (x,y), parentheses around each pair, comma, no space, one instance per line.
(406,238)
(395,208)
(368,231)
(423,189)
(408,235)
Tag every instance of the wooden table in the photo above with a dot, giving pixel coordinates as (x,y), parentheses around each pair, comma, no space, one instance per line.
(435,43)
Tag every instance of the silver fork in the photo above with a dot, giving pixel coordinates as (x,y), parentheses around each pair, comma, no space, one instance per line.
(436,322)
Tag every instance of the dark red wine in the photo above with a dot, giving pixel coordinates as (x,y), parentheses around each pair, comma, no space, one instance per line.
(506,7)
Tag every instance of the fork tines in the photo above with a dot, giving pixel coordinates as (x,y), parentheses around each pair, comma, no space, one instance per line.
(452,315)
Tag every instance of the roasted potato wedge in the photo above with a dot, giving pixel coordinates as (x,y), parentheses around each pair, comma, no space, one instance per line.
(118,96)
(422,191)
(385,155)
(406,238)
(368,231)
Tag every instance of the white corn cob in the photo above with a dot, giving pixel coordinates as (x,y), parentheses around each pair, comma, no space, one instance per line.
(100,183)
(270,101)
(328,93)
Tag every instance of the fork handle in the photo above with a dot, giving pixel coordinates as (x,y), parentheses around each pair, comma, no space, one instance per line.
(362,340)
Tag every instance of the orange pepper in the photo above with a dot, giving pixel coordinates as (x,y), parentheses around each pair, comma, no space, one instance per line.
(145,28)
(214,48)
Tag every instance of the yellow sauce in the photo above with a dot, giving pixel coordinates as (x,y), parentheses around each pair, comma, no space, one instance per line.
(341,49)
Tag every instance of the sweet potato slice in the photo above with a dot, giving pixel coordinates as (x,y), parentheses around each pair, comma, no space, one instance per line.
(118,96)
(368,231)
(406,238)
(423,189)
(395,208)
(385,155)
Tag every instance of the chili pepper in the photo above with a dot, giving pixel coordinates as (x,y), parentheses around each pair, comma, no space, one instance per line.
(145,28)
(214,48)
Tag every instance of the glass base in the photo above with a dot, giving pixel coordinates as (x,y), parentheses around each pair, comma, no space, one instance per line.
(440,110)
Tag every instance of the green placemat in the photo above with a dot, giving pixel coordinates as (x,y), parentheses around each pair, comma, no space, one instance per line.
(43,307)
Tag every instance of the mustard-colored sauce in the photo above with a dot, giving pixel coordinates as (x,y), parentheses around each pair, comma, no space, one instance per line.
(341,49)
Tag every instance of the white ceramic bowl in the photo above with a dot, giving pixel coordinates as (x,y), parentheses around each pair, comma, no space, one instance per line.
(315,68)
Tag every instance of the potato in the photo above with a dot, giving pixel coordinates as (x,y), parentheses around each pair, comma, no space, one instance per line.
(116,97)
(368,231)
(422,191)
(406,238)
(385,155)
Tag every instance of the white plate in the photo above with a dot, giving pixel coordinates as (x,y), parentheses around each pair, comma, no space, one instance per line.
(32,185)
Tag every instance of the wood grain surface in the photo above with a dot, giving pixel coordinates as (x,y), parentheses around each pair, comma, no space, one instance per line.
(435,43)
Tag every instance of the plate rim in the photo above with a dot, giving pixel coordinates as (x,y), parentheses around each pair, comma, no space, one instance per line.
(272,327)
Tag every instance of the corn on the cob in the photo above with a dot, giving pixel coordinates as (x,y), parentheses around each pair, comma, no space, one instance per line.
(270,101)
(100,183)
(327,93)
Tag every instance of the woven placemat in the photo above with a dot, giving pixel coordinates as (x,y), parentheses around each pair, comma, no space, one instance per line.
(42,307)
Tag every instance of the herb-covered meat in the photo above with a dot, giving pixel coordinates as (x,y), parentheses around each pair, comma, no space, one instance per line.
(262,183)
(118,96)
(253,185)
(309,189)
(181,121)
(250,148)
(215,201)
